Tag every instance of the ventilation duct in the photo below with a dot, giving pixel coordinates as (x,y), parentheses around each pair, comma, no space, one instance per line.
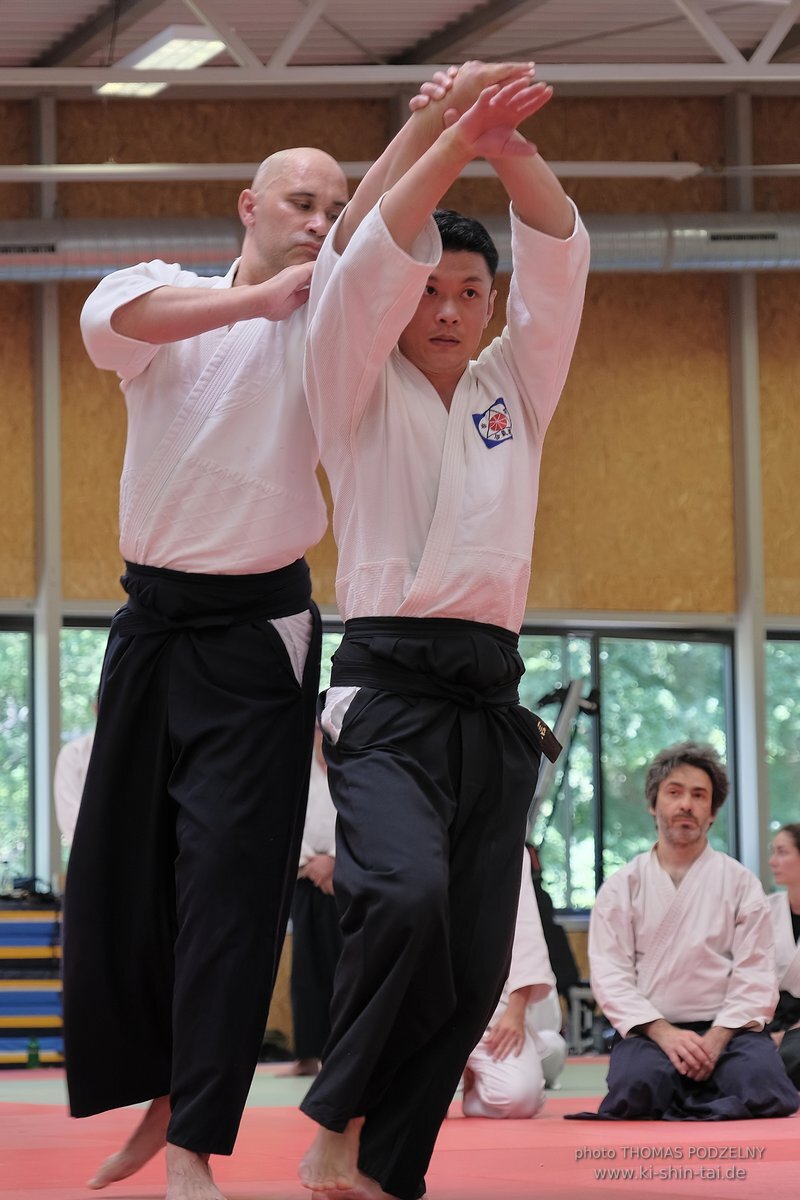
(686,242)
(40,251)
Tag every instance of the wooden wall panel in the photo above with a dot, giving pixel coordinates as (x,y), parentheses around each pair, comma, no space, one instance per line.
(636,497)
(200,131)
(92,443)
(17,494)
(644,129)
(776,137)
(16,199)
(780,440)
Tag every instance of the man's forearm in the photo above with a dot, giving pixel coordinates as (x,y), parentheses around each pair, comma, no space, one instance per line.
(536,195)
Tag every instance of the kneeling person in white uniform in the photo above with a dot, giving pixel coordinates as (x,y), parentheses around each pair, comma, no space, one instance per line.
(522,1051)
(683,965)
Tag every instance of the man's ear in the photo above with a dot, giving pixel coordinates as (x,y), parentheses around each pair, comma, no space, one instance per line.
(246,206)
(490,307)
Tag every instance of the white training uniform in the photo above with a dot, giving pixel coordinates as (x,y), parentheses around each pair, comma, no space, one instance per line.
(434,511)
(319,831)
(787,951)
(70,775)
(220,458)
(699,952)
(513,1087)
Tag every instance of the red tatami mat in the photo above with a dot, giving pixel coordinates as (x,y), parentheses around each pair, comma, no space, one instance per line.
(46,1156)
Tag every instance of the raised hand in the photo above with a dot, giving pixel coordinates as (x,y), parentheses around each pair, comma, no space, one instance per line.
(433,89)
(489,127)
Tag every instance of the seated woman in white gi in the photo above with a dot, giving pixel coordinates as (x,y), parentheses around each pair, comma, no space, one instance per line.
(784,863)
(522,1051)
(683,965)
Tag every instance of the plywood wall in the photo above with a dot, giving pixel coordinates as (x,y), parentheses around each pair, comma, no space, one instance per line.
(780,440)
(93,426)
(16,146)
(17,546)
(636,496)
(637,466)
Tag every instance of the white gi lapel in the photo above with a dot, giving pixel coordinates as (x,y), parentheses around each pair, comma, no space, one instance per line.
(436,555)
(680,901)
(787,953)
(211,386)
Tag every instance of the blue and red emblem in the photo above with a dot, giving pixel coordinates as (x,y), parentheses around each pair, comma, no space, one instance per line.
(494,425)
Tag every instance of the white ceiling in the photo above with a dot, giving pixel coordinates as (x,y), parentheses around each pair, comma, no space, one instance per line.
(66,46)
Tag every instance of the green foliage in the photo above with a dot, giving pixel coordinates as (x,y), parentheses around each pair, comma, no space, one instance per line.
(783,730)
(82,653)
(15,770)
(655,693)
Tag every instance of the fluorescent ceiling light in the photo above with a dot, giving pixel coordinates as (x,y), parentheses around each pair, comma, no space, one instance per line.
(177,48)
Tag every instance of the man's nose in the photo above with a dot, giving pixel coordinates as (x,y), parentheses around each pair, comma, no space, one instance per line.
(318,223)
(447,313)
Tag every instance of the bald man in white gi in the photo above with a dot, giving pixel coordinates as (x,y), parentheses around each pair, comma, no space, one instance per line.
(185,850)
(683,965)
(433,459)
(522,1051)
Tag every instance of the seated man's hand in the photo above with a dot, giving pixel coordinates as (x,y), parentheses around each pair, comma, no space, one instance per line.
(715,1041)
(685,1049)
(506,1036)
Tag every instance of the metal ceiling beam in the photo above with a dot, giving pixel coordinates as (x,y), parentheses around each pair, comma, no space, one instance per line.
(170,172)
(774,38)
(95,33)
(482,22)
(789,48)
(723,76)
(237,48)
(297,35)
(710,32)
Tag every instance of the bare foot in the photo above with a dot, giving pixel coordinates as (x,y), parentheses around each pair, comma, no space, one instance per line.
(303,1066)
(364,1188)
(331,1162)
(147,1139)
(189,1176)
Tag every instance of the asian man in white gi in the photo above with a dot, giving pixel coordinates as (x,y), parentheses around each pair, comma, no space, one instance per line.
(186,847)
(683,964)
(433,459)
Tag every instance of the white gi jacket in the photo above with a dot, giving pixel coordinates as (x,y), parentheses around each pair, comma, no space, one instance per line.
(70,775)
(219,471)
(319,831)
(787,951)
(434,511)
(530,961)
(700,952)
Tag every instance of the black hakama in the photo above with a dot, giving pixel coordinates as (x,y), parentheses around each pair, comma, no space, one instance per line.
(185,853)
(432,776)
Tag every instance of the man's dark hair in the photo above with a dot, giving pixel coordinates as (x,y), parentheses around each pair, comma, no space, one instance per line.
(688,754)
(465,233)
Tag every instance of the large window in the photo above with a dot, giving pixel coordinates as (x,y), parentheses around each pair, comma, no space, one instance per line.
(783,729)
(82,649)
(16,848)
(653,692)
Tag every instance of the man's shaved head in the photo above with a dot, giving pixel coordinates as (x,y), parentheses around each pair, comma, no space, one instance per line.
(295,197)
(302,159)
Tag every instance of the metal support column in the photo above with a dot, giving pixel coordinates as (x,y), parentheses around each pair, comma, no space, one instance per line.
(47,610)
(751,771)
